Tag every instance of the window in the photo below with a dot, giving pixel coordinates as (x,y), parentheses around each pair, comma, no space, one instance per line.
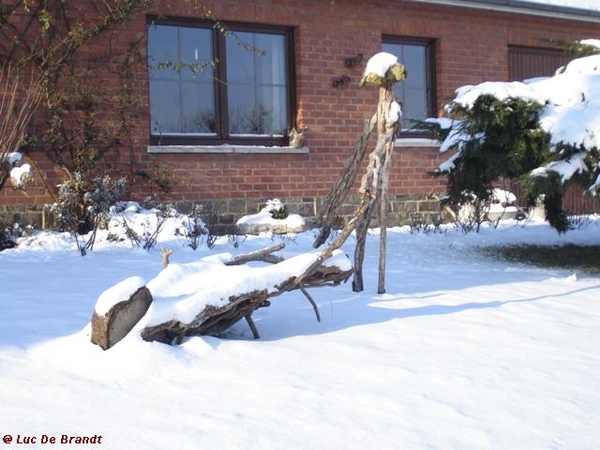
(417,92)
(210,87)
(529,62)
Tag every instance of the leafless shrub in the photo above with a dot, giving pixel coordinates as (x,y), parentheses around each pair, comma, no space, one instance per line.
(20,95)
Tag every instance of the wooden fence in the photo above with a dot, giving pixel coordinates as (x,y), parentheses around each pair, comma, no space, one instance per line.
(575,201)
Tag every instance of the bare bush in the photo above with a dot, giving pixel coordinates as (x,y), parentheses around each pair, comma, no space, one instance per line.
(83,203)
(19,99)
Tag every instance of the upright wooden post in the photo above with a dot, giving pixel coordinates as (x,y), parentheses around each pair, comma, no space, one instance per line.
(375,182)
(392,127)
(382,70)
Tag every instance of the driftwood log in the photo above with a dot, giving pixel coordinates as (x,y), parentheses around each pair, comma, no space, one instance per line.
(213,320)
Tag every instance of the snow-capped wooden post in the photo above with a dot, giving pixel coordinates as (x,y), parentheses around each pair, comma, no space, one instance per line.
(383,70)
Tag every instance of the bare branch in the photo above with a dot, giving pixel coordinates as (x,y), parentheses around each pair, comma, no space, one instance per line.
(258,255)
(312,302)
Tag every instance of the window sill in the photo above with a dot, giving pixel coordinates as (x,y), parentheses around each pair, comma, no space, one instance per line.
(416,142)
(228,149)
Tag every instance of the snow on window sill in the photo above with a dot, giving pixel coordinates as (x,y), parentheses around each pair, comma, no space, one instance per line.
(416,142)
(226,148)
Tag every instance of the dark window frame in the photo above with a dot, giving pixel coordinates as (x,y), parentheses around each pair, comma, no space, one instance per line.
(429,45)
(220,85)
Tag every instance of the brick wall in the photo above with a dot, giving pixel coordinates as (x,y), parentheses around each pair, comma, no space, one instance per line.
(471,47)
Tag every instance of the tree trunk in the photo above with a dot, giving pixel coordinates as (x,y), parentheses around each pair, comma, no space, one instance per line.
(213,320)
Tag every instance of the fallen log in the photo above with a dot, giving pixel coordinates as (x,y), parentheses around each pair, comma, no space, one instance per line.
(211,321)
(216,309)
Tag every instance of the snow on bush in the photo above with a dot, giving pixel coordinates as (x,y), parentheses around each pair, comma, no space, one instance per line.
(273,213)
(21,175)
(569,103)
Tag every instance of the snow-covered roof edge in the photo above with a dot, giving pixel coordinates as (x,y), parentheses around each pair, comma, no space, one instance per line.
(555,11)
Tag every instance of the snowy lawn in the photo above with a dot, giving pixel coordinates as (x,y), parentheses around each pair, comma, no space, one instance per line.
(462,352)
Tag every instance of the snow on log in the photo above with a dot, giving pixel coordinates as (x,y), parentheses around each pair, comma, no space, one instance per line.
(381,68)
(118,310)
(394,114)
(117,293)
(208,296)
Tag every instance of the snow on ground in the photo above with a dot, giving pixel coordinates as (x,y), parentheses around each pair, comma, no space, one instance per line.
(462,352)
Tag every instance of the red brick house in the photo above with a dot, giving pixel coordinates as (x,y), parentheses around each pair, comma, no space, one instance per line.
(221,134)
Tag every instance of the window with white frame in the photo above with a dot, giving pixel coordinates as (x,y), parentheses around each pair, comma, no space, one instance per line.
(212,86)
